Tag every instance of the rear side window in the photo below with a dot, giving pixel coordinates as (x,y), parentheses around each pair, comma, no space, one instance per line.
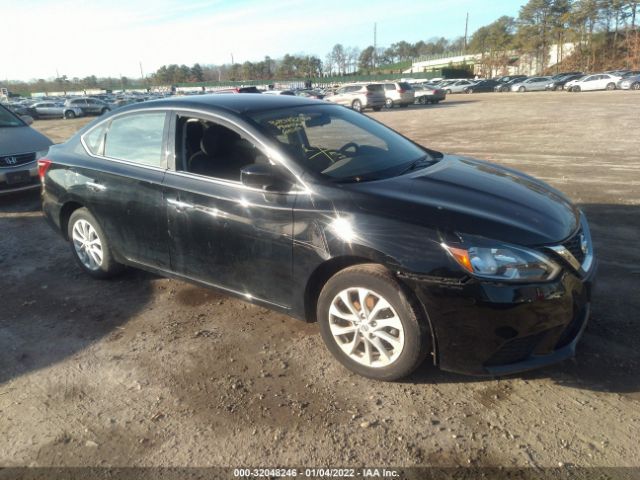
(389,86)
(94,140)
(136,138)
(404,86)
(375,87)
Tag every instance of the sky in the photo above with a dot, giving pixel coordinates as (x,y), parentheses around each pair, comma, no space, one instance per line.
(43,38)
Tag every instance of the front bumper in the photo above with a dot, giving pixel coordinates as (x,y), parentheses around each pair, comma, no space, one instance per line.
(483,328)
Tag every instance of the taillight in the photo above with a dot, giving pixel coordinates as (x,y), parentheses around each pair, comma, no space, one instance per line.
(43,166)
(400,90)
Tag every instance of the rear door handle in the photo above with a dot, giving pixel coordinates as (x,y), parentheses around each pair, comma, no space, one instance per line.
(96,187)
(178,205)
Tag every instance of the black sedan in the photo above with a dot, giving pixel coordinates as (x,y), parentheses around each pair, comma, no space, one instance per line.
(482,86)
(559,83)
(401,253)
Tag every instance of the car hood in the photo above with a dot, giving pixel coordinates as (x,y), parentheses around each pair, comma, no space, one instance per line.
(22,140)
(469,196)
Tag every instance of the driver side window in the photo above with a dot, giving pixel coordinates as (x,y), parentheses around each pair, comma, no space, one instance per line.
(213,150)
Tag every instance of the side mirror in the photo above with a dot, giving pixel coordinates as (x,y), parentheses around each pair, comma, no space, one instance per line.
(264,176)
(28,119)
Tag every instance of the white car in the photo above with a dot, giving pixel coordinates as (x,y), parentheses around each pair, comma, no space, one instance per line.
(598,81)
(458,86)
(532,84)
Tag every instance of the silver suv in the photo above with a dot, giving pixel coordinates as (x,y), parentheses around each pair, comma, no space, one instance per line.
(398,93)
(88,106)
(359,96)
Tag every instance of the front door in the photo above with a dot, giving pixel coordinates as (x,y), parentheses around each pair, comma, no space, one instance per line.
(223,233)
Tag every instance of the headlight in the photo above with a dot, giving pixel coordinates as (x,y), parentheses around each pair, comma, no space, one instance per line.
(504,262)
(41,154)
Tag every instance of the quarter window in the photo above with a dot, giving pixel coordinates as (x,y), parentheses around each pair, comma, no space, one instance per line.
(136,138)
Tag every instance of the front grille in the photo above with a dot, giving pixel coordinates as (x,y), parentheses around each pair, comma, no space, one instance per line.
(8,161)
(515,350)
(574,246)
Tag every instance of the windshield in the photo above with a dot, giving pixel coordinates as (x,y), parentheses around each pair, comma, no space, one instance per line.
(7,119)
(340,144)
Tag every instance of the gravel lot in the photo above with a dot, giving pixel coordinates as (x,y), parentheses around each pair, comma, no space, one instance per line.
(145,371)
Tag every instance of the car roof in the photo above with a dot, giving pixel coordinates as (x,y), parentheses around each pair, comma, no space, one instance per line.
(235,103)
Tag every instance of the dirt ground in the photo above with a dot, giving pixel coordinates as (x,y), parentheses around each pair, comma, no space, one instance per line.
(145,371)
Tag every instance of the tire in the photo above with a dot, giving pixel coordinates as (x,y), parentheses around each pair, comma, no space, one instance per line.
(388,103)
(377,109)
(522,89)
(357,105)
(104,110)
(469,90)
(69,114)
(635,86)
(576,89)
(422,100)
(405,338)
(448,91)
(611,86)
(99,263)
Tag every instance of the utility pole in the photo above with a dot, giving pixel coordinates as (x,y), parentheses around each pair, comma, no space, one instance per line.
(466,31)
(232,59)
(141,72)
(375,43)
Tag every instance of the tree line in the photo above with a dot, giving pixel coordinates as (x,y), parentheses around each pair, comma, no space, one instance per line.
(604,33)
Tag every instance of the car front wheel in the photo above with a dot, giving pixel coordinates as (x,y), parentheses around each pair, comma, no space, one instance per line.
(357,105)
(69,114)
(611,86)
(370,325)
(89,245)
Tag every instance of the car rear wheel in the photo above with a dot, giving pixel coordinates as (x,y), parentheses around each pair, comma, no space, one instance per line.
(469,90)
(611,86)
(370,325)
(576,89)
(422,100)
(69,114)
(90,246)
(357,105)
(522,89)
(635,86)
(388,103)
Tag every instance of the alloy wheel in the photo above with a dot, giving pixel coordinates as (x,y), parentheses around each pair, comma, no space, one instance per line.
(366,327)
(87,244)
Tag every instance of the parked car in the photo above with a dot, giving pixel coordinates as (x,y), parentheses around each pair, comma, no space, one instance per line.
(533,84)
(400,252)
(310,94)
(88,106)
(52,110)
(482,86)
(506,86)
(279,92)
(510,79)
(559,83)
(398,93)
(20,147)
(425,93)
(360,96)
(239,90)
(599,81)
(630,83)
(458,86)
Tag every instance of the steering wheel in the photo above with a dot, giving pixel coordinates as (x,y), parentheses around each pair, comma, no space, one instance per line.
(343,149)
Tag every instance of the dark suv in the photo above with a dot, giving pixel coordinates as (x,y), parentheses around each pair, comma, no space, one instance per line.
(87,105)
(400,252)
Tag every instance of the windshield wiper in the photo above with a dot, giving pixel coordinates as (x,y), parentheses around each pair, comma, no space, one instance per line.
(421,162)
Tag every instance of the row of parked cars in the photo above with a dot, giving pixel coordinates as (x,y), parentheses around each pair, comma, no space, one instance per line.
(570,81)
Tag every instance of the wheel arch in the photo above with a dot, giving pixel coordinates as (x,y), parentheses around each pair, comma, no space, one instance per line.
(66,211)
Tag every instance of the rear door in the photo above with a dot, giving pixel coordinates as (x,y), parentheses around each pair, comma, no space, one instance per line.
(124,187)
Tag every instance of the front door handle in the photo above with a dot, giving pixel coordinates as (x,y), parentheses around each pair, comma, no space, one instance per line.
(178,205)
